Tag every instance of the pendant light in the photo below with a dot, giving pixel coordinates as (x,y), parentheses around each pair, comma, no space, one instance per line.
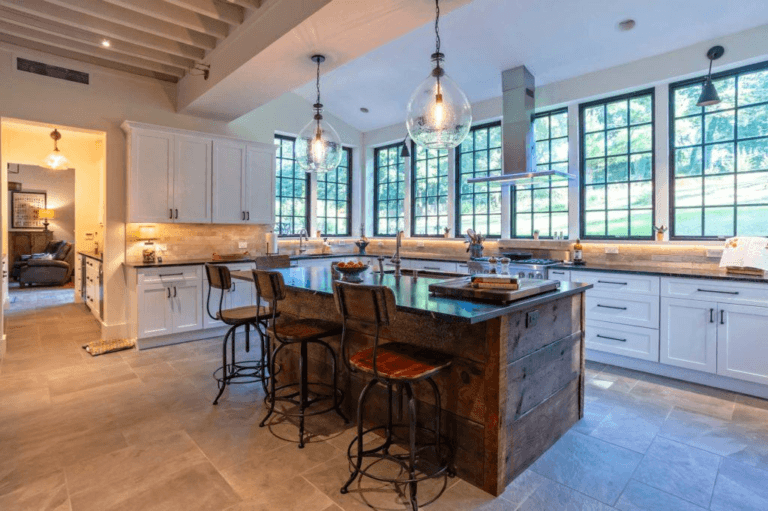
(405,152)
(439,114)
(56,160)
(709,95)
(318,146)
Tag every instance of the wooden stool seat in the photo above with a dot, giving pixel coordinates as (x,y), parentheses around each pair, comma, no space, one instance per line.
(247,314)
(399,361)
(305,329)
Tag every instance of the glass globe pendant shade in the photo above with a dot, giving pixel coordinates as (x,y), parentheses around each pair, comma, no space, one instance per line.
(439,114)
(56,160)
(318,147)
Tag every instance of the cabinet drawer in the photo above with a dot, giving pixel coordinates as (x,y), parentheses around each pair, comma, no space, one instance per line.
(716,290)
(630,341)
(561,275)
(149,276)
(462,268)
(418,264)
(618,282)
(637,310)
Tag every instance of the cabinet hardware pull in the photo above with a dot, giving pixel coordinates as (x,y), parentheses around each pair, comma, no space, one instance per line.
(171,210)
(611,338)
(559,272)
(170,274)
(431,268)
(717,291)
(169,292)
(611,282)
(249,215)
(612,307)
(177,214)
(722,317)
(174,291)
(711,315)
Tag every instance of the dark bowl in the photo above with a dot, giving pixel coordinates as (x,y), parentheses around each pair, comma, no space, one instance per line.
(352,274)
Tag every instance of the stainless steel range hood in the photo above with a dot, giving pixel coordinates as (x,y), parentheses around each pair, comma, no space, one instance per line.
(518,141)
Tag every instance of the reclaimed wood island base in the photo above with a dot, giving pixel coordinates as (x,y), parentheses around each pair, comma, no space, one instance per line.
(515,386)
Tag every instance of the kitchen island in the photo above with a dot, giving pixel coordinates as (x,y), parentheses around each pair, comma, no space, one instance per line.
(516,383)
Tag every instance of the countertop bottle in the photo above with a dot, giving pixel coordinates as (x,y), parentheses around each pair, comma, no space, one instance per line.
(578,253)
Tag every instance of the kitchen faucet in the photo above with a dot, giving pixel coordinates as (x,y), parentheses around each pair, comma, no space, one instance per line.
(303,235)
(396,258)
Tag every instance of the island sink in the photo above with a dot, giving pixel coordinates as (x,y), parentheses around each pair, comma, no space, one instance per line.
(515,386)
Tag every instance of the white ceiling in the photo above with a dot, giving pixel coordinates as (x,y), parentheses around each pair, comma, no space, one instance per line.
(555,39)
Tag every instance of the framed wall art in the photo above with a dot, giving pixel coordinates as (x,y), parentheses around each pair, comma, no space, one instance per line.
(24,207)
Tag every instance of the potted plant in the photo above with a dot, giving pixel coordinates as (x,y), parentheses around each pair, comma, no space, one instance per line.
(660,232)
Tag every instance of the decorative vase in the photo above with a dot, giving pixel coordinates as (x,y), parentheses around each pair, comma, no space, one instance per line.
(475,251)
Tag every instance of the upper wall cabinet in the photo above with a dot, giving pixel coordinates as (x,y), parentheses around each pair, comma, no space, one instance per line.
(177,176)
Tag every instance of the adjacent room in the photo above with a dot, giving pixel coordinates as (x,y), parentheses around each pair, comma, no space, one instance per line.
(414,254)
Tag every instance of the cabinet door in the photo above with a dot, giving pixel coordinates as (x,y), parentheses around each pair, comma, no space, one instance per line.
(187,306)
(260,185)
(242,294)
(228,182)
(150,194)
(155,316)
(689,334)
(192,180)
(742,349)
(208,322)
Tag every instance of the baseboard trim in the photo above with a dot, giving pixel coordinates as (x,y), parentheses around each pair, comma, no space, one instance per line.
(680,373)
(197,335)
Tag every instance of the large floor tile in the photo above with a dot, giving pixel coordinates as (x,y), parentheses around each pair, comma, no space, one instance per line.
(740,487)
(589,465)
(47,493)
(639,497)
(631,428)
(687,396)
(680,470)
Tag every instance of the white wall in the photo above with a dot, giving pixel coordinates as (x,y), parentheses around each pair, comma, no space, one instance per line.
(111,98)
(741,49)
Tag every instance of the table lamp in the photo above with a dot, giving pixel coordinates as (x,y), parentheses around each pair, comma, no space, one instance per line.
(46,214)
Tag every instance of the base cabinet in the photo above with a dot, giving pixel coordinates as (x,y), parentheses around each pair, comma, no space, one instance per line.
(169,301)
(742,342)
(689,334)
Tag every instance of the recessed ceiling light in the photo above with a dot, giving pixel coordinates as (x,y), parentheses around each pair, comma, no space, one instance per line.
(105,43)
(627,24)
(364,110)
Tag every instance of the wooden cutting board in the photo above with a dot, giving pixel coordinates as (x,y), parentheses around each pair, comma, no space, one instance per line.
(462,288)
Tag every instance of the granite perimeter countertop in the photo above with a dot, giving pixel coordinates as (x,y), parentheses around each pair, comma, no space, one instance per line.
(665,271)
(412,294)
(195,262)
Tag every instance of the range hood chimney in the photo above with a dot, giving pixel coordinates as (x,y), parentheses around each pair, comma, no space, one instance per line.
(518,141)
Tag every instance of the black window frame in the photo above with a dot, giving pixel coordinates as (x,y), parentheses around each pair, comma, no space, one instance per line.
(582,166)
(457,194)
(308,203)
(348,151)
(513,189)
(398,146)
(447,195)
(759,66)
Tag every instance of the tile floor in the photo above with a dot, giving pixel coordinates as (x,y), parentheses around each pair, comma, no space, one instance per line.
(136,431)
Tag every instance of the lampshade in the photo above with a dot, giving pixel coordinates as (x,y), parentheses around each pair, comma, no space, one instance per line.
(45,214)
(708,94)
(148,232)
(56,160)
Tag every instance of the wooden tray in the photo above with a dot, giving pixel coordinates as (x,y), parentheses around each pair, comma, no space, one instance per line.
(462,288)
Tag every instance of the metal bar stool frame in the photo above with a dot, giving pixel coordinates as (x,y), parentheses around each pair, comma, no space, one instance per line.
(270,288)
(234,372)
(378,316)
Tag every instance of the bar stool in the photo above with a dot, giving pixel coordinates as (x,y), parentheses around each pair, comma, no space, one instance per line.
(393,364)
(270,287)
(234,372)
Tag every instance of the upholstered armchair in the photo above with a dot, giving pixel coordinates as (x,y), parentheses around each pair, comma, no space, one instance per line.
(54,269)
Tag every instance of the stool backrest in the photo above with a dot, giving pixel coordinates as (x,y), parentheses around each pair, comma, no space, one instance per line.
(270,287)
(218,278)
(365,304)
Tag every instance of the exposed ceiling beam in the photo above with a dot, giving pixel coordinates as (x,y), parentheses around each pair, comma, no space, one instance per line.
(108,29)
(222,11)
(67,32)
(138,21)
(248,4)
(176,15)
(30,34)
(67,54)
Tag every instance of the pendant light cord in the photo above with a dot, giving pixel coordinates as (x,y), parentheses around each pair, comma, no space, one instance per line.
(318,82)
(437,45)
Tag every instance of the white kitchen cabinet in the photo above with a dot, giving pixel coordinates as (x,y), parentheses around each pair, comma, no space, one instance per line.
(623,308)
(192,180)
(186,306)
(689,334)
(742,342)
(155,314)
(229,198)
(260,184)
(150,176)
(169,300)
(630,341)
(561,275)
(93,286)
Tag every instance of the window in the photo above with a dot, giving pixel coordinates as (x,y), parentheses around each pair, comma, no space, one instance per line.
(479,205)
(334,198)
(617,167)
(719,157)
(291,185)
(430,191)
(543,204)
(389,175)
